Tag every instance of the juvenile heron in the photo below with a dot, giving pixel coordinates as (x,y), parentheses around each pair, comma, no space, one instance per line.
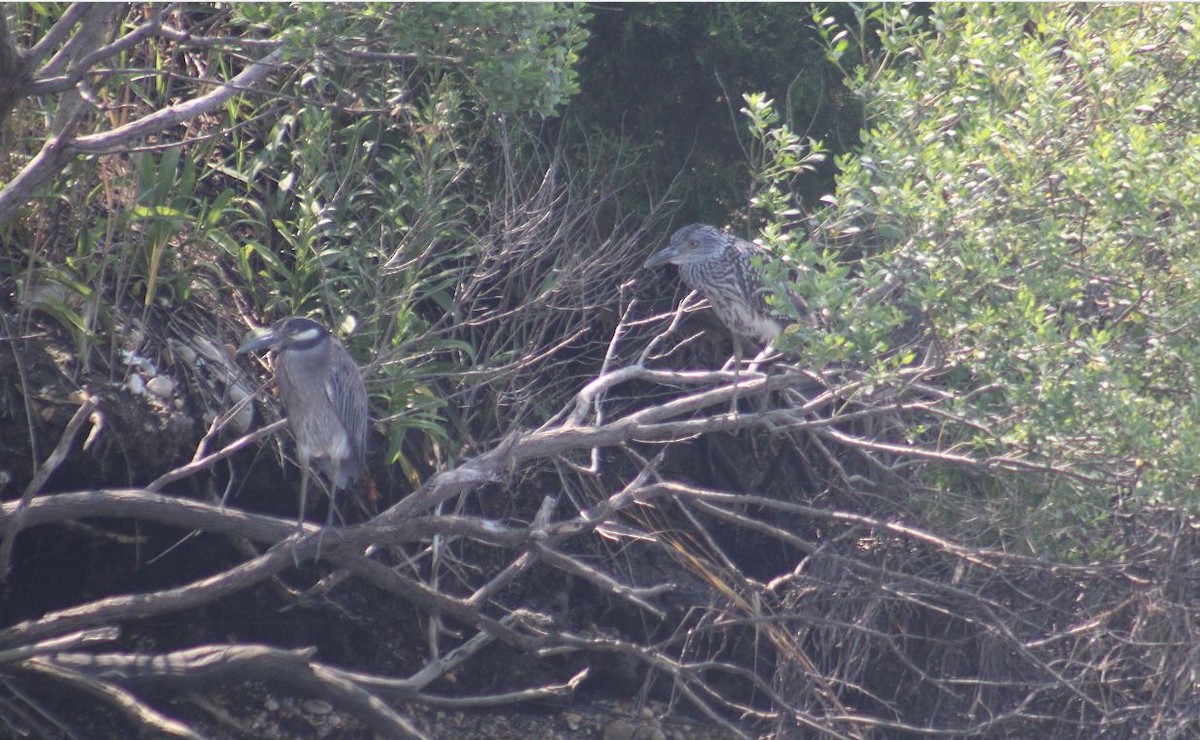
(326,403)
(720,266)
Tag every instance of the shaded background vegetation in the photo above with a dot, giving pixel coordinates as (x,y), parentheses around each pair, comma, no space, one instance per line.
(669,79)
(984,527)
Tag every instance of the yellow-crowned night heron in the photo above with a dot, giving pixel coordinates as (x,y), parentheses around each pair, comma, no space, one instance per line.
(326,403)
(720,266)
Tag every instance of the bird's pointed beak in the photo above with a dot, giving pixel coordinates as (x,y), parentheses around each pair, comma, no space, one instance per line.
(662,256)
(267,339)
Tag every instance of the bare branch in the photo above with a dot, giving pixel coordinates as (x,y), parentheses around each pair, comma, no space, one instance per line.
(61,148)
(137,711)
(174,115)
(189,668)
(52,38)
(95,21)
(10,524)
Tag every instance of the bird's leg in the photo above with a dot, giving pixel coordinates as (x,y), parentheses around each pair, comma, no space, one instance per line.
(732,362)
(332,510)
(737,371)
(768,353)
(303,501)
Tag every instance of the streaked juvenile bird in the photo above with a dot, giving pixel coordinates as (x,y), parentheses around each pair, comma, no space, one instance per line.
(720,265)
(326,402)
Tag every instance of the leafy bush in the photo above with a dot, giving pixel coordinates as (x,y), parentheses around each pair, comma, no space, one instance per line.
(354,190)
(1030,172)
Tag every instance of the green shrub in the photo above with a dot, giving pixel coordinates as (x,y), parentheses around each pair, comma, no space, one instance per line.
(1031,171)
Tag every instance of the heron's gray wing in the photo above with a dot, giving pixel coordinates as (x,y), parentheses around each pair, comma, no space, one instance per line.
(755,284)
(349,398)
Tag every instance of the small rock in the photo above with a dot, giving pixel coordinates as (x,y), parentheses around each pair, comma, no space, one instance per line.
(317,706)
(161,386)
(135,384)
(245,414)
(619,729)
(209,350)
(572,719)
(186,353)
(271,705)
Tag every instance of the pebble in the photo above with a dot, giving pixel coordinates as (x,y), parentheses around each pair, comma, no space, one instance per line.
(186,353)
(136,385)
(621,729)
(161,386)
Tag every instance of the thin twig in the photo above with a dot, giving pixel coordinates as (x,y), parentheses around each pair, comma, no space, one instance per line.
(12,521)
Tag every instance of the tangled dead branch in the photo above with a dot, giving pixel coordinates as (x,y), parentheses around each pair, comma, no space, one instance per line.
(781,606)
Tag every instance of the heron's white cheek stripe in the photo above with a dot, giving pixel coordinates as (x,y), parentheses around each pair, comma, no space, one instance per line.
(306,336)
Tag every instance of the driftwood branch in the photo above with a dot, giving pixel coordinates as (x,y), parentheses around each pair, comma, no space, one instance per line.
(75,59)
(195,667)
(140,713)
(833,608)
(10,523)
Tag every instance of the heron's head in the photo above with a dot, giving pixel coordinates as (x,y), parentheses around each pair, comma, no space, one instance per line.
(694,243)
(292,333)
